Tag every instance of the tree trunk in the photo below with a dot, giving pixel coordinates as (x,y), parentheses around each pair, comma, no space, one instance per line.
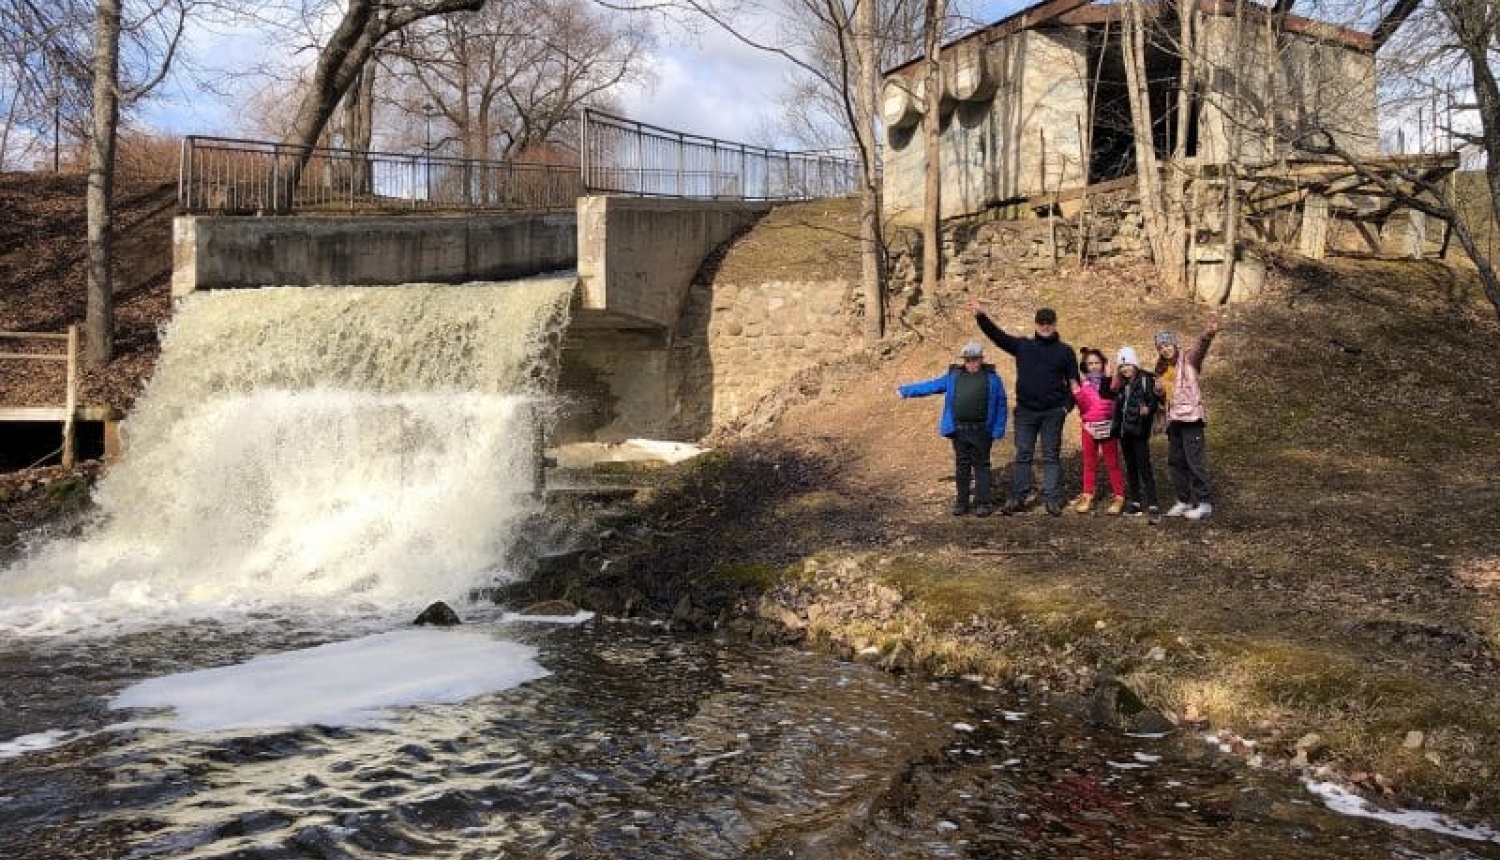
(359,121)
(99,322)
(866,91)
(1148,179)
(1162,196)
(932,122)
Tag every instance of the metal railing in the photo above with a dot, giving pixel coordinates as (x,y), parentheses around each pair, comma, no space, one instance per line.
(623,156)
(231,176)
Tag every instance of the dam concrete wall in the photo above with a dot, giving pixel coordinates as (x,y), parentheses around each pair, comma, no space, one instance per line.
(228,252)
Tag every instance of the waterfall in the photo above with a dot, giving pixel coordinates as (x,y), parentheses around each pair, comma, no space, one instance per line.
(351,447)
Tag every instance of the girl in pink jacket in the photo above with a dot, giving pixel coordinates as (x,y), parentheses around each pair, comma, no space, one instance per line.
(1096,410)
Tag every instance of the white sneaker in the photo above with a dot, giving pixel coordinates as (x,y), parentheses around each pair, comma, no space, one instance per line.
(1198,513)
(1179,509)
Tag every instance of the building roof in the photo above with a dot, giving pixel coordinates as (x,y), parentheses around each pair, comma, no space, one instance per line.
(1092,12)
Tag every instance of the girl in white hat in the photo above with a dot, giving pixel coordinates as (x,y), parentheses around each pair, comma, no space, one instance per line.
(1136,404)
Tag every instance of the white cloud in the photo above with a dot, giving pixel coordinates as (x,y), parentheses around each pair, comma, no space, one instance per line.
(716,86)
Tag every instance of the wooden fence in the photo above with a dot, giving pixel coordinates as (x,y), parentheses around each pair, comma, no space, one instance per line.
(68,412)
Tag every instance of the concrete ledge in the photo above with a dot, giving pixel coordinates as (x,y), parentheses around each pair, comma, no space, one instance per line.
(223,252)
(637,256)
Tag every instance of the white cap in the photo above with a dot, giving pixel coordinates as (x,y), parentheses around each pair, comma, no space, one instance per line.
(972,349)
(1125,356)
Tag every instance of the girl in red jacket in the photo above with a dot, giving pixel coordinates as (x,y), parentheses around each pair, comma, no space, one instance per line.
(1096,411)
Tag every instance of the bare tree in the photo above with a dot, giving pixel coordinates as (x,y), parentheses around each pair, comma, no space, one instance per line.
(45,74)
(837,48)
(363,27)
(515,75)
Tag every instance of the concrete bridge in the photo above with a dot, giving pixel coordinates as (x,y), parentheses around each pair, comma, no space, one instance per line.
(635,260)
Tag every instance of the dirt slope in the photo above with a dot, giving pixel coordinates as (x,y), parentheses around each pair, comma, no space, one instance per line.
(43,278)
(1347,586)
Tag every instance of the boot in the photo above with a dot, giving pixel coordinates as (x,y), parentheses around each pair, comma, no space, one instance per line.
(1083,503)
(1116,505)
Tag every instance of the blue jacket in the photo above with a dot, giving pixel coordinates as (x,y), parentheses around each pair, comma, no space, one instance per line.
(944,385)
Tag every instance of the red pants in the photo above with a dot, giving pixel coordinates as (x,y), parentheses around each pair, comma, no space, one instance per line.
(1111,449)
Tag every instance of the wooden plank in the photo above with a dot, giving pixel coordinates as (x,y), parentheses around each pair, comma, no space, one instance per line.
(34,356)
(34,334)
(58,413)
(32,413)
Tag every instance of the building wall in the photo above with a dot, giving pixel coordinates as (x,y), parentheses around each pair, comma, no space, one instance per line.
(1024,141)
(1319,85)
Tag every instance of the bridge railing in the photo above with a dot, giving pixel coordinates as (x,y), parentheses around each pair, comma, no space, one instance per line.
(623,156)
(232,176)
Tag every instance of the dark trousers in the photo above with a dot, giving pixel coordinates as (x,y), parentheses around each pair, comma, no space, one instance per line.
(1029,424)
(1140,483)
(971,462)
(1187,457)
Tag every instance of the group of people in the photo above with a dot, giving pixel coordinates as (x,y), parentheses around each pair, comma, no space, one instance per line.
(1119,409)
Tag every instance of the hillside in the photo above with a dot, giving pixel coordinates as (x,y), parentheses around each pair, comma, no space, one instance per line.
(1340,610)
(43,280)
(1348,585)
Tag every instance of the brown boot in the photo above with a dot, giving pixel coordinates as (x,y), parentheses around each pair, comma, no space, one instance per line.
(1116,505)
(1083,503)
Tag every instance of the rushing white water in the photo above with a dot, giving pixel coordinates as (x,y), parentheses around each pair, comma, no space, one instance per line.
(355,449)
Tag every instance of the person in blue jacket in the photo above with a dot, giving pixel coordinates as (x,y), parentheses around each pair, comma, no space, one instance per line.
(973,418)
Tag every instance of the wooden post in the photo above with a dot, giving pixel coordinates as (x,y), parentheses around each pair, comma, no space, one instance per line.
(70,405)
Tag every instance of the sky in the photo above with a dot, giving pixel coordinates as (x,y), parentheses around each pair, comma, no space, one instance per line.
(707,83)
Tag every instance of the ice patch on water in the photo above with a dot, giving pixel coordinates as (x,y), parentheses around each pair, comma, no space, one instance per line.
(356,683)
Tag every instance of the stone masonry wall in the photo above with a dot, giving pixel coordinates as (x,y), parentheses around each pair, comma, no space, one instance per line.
(738,342)
(978,250)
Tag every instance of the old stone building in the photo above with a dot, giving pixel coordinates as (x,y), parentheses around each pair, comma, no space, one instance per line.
(1038,103)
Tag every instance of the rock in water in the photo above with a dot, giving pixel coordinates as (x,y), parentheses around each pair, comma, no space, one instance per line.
(438,614)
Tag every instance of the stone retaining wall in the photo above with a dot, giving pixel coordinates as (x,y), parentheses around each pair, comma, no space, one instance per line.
(736,343)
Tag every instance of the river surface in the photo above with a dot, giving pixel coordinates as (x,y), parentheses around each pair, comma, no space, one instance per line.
(623,741)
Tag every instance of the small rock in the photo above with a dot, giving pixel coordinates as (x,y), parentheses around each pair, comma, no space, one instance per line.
(1413,740)
(438,614)
(1157,653)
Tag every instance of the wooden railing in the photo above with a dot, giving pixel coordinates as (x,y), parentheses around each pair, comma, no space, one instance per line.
(68,413)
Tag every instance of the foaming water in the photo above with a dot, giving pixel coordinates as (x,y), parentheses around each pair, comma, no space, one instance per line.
(355,449)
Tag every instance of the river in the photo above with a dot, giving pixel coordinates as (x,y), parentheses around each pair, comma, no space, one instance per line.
(219,663)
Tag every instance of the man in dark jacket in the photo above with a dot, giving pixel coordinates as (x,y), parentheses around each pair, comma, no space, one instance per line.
(1045,365)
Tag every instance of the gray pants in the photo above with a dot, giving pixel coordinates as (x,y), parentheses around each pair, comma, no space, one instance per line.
(1028,424)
